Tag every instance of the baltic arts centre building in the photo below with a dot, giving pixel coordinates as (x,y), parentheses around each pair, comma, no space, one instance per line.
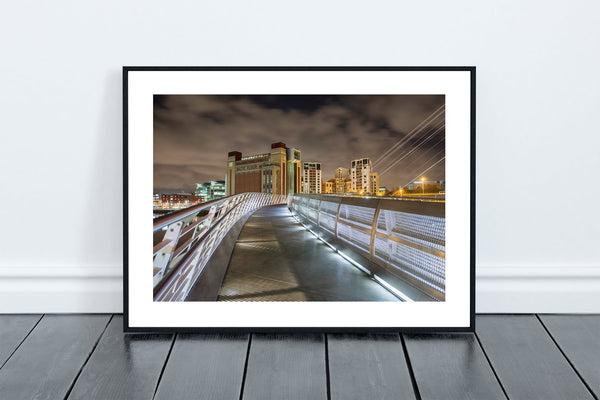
(276,172)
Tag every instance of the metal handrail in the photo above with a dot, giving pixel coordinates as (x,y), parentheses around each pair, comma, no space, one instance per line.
(178,263)
(403,240)
(437,198)
(167,219)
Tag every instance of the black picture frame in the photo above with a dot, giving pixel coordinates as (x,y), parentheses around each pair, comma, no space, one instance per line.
(128,328)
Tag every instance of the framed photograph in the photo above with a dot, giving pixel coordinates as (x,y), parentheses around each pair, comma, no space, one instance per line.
(299,198)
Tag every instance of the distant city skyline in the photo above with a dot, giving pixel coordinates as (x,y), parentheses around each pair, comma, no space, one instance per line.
(194,133)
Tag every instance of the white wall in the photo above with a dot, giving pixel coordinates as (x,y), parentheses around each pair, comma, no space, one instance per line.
(538,97)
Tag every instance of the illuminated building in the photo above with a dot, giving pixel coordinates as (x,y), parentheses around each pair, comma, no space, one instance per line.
(328,186)
(212,190)
(276,172)
(293,180)
(311,177)
(347,185)
(342,172)
(218,189)
(179,200)
(428,186)
(339,185)
(360,173)
(341,176)
(374,184)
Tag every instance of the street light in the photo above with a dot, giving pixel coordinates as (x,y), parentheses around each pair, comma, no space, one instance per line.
(423,185)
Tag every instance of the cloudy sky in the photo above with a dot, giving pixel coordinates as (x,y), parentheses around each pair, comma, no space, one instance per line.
(194,133)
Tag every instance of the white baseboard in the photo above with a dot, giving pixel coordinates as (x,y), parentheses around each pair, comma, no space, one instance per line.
(538,289)
(48,289)
(506,289)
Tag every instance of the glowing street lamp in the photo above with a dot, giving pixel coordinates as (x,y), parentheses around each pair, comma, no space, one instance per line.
(423,185)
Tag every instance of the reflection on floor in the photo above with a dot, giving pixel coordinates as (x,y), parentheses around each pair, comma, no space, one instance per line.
(276,259)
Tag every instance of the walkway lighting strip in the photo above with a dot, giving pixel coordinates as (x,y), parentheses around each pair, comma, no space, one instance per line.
(392,289)
(402,296)
(351,261)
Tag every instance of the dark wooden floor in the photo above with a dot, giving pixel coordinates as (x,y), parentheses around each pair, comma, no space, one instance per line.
(510,356)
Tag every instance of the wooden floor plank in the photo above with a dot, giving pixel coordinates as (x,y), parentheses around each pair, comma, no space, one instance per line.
(368,366)
(451,366)
(579,338)
(207,366)
(286,366)
(526,360)
(123,366)
(13,329)
(47,363)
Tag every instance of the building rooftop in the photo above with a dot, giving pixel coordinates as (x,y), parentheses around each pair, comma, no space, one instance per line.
(255,156)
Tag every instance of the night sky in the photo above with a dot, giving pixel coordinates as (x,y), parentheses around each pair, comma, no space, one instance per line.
(194,133)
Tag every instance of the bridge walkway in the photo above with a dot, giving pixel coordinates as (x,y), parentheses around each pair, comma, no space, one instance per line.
(276,259)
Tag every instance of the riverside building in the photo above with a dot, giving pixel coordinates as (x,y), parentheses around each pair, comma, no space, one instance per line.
(360,174)
(311,177)
(276,172)
(341,176)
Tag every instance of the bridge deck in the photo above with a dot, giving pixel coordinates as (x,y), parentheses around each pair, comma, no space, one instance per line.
(276,259)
